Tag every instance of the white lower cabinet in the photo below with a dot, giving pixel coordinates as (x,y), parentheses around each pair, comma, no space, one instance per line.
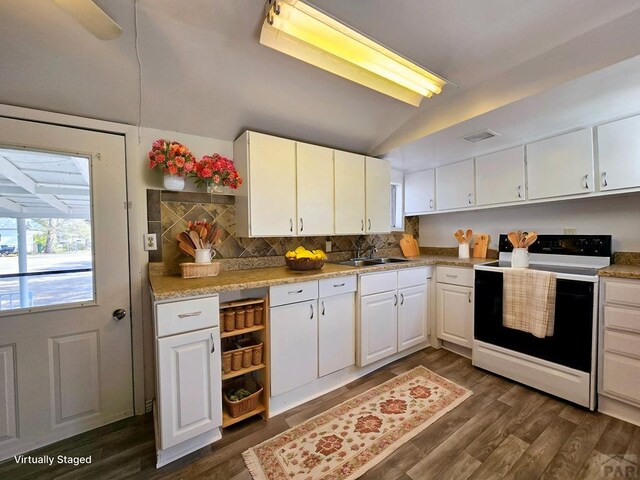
(454,306)
(189,385)
(336,333)
(378,326)
(393,313)
(188,410)
(619,357)
(412,317)
(294,346)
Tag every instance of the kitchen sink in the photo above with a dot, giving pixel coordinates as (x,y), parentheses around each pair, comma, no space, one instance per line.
(371,262)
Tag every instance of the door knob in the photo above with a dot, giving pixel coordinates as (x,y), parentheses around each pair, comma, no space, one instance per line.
(119,314)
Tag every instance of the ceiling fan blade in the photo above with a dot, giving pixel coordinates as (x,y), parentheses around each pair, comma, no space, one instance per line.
(91,17)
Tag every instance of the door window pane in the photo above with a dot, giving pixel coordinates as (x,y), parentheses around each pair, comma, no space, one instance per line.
(45,230)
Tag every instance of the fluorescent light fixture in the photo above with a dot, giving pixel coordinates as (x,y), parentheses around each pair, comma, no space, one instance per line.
(303,32)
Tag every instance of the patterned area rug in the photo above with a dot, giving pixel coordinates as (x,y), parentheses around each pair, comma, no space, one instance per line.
(351,438)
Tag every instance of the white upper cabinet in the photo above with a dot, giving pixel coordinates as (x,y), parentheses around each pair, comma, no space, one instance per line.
(619,154)
(314,189)
(419,192)
(455,185)
(349,206)
(561,165)
(500,177)
(378,195)
(266,202)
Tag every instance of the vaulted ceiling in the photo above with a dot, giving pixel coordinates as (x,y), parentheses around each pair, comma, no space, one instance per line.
(204,72)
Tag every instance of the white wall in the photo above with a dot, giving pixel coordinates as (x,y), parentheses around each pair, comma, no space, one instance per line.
(617,215)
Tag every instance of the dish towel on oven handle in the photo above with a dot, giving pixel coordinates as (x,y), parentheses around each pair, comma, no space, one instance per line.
(529,301)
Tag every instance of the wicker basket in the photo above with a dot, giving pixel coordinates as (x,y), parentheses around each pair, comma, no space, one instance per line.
(240,314)
(229,319)
(256,358)
(249,317)
(226,362)
(304,263)
(236,359)
(235,409)
(199,270)
(257,316)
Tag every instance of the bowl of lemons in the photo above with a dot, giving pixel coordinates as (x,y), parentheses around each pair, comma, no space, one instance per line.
(303,259)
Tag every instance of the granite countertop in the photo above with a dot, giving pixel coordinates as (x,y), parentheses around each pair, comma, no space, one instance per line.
(167,287)
(620,271)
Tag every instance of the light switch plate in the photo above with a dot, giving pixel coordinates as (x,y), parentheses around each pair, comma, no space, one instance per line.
(150,242)
(327,246)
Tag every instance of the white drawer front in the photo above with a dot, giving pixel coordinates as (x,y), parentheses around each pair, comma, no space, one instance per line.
(187,315)
(622,318)
(625,343)
(621,376)
(455,275)
(411,277)
(627,293)
(378,282)
(336,286)
(293,293)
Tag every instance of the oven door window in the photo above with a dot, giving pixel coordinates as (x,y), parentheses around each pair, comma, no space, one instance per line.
(571,344)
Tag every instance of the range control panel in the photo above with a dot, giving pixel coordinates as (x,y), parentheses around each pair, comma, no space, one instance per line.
(584,245)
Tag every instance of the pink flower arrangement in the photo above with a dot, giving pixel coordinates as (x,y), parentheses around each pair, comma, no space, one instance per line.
(218,170)
(172,157)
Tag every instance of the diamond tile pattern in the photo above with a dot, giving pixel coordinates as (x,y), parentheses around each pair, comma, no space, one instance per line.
(175,215)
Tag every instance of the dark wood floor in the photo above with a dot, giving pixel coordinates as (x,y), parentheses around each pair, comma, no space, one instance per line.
(504,430)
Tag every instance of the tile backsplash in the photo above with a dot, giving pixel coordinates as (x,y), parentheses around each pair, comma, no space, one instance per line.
(169,212)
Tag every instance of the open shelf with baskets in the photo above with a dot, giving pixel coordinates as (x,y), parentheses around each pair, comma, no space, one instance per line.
(245,353)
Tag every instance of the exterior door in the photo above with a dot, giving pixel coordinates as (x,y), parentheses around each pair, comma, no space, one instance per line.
(65,359)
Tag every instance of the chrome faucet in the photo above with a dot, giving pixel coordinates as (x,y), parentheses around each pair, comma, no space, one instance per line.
(372,249)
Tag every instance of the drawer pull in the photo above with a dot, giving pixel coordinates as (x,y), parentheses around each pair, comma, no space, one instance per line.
(295,292)
(190,314)
(451,276)
(339,285)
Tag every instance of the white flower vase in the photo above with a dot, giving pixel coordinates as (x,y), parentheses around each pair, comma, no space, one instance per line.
(173,182)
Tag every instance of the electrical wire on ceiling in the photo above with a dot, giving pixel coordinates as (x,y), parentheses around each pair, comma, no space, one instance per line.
(140,89)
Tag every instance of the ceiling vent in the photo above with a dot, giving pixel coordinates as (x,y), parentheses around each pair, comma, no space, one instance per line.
(479,136)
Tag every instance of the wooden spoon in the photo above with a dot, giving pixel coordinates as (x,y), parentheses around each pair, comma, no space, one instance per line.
(514,239)
(195,238)
(188,249)
(468,235)
(185,238)
(531,239)
(459,236)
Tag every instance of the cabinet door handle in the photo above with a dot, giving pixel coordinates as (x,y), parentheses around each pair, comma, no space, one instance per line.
(311,305)
(402,299)
(301,224)
(190,314)
(431,203)
(339,285)
(604,179)
(362,224)
(586,181)
(469,199)
(295,292)
(213,344)
(469,297)
(396,299)
(519,191)
(291,224)
(322,308)
(369,224)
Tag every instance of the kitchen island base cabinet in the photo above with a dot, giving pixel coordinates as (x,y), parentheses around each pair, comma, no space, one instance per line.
(378,327)
(294,346)
(412,317)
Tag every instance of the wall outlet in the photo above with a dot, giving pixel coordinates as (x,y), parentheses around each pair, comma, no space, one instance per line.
(150,242)
(327,246)
(569,231)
